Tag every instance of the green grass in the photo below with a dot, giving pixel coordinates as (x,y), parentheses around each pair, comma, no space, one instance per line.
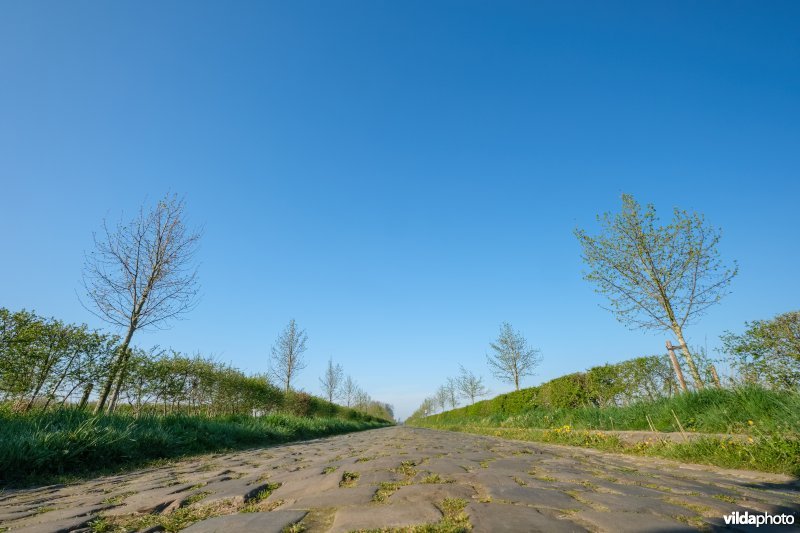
(709,411)
(771,420)
(349,479)
(40,447)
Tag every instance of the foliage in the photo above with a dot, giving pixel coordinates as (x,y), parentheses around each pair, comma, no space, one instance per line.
(622,383)
(573,400)
(45,361)
(656,277)
(768,352)
(40,444)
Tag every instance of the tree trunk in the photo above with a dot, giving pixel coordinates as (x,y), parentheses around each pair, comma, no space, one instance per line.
(123,350)
(698,381)
(123,373)
(86,392)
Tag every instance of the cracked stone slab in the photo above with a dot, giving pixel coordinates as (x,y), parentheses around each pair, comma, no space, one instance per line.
(501,517)
(272,522)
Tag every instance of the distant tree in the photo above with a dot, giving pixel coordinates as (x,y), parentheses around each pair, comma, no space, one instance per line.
(331,381)
(768,351)
(429,406)
(426,408)
(470,386)
(349,390)
(141,274)
(512,358)
(377,409)
(657,277)
(441,398)
(287,355)
(451,388)
(361,400)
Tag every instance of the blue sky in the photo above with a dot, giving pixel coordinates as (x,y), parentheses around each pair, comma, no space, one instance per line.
(399,177)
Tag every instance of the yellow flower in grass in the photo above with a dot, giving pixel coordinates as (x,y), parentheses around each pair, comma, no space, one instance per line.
(750,422)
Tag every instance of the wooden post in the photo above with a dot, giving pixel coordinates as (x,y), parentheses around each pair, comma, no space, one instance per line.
(676,366)
(715,376)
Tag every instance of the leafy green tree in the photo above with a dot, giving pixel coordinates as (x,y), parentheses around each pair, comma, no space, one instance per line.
(42,360)
(768,351)
(512,358)
(19,333)
(657,277)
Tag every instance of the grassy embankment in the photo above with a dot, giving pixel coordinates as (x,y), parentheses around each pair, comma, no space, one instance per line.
(48,446)
(768,420)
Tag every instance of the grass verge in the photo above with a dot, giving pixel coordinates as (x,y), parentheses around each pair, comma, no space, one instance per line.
(766,421)
(53,446)
(745,410)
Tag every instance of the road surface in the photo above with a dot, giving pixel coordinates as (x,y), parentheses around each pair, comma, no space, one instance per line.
(399,476)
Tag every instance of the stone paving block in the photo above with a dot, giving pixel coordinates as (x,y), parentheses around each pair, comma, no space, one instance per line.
(272,522)
(635,504)
(145,501)
(434,493)
(500,518)
(552,499)
(376,516)
(619,522)
(333,498)
(57,518)
(234,490)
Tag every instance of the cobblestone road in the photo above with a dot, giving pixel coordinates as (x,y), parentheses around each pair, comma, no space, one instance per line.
(397,477)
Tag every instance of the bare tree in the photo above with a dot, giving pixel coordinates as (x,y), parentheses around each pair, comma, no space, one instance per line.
(287,355)
(512,359)
(441,397)
(349,391)
(331,381)
(141,274)
(470,386)
(451,388)
(657,277)
(361,399)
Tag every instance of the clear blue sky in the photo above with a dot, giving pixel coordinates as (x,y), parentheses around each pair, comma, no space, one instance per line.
(400,177)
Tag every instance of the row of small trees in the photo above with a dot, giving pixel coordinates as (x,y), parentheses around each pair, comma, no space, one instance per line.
(662,278)
(141,273)
(466,386)
(345,390)
(767,354)
(510,360)
(47,363)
